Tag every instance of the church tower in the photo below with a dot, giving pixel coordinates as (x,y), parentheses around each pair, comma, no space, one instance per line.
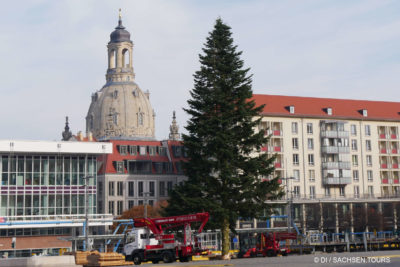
(120,110)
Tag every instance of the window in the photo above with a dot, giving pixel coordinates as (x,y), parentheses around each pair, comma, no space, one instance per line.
(169,186)
(354,160)
(296,175)
(120,166)
(356,191)
(370,176)
(131,204)
(162,151)
(312,192)
(296,191)
(131,189)
(310,143)
(110,188)
(120,207)
(355,175)
(295,159)
(311,159)
(133,150)
(100,207)
(140,189)
(152,188)
(100,188)
(140,202)
(152,150)
(294,128)
(368,145)
(123,150)
(309,128)
(120,188)
(295,143)
(353,129)
(354,144)
(370,190)
(369,160)
(142,150)
(342,191)
(161,188)
(111,207)
(327,191)
(151,202)
(367,130)
(311,175)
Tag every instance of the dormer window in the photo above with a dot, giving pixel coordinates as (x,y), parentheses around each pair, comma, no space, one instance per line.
(365,113)
(329,111)
(291,109)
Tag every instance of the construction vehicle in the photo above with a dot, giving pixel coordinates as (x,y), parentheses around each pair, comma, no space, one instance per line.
(264,244)
(148,240)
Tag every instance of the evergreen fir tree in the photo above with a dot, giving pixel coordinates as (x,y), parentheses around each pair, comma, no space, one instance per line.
(225,172)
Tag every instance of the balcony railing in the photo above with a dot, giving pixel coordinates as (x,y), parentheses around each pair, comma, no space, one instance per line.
(384,151)
(336,165)
(393,136)
(395,151)
(335,134)
(336,180)
(335,149)
(395,166)
(385,181)
(319,197)
(384,166)
(382,136)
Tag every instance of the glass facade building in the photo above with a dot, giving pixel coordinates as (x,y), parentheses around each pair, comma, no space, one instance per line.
(46,184)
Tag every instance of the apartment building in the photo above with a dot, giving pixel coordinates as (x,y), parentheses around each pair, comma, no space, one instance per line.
(340,152)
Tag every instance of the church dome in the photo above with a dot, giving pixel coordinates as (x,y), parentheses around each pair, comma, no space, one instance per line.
(120,110)
(120,34)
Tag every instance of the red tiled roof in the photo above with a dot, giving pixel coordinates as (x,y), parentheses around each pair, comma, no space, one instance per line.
(108,160)
(278,105)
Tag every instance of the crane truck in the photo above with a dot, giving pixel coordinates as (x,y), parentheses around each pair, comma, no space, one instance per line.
(148,241)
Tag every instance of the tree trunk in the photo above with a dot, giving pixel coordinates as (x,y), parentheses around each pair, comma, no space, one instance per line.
(225,240)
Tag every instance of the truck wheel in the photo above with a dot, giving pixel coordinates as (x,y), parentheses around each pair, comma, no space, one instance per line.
(270,253)
(137,260)
(154,261)
(167,257)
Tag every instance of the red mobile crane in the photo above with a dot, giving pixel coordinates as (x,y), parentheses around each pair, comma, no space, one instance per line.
(148,242)
(265,244)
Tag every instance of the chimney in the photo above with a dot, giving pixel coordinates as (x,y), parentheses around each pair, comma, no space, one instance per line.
(89,136)
(80,135)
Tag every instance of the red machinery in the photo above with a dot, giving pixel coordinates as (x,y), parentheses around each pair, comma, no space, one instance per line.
(265,244)
(156,245)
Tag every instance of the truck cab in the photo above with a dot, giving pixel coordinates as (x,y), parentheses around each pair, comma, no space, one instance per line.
(137,240)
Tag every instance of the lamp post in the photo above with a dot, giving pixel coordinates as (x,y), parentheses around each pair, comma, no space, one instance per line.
(289,202)
(86,245)
(145,194)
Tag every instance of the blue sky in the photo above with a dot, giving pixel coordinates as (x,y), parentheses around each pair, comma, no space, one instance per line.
(53,53)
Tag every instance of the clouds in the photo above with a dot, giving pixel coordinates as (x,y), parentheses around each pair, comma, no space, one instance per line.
(53,53)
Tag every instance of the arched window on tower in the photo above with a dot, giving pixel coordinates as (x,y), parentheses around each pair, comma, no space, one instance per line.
(115,118)
(140,118)
(112,59)
(125,58)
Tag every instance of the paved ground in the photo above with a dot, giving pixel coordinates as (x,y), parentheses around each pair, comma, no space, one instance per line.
(381,258)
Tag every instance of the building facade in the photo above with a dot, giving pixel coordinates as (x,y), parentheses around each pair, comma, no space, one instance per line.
(43,192)
(338,158)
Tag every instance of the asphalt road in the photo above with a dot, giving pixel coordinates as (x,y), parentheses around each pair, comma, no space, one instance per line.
(376,258)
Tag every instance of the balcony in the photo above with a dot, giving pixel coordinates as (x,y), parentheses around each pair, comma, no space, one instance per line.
(382,136)
(277,149)
(276,133)
(384,166)
(396,181)
(393,136)
(385,181)
(278,165)
(384,151)
(394,151)
(336,165)
(335,149)
(395,166)
(336,180)
(335,134)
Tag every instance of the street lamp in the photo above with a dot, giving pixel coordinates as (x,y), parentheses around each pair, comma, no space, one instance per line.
(86,245)
(145,194)
(289,200)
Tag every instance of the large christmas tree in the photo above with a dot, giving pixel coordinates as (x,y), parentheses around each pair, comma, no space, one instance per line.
(226,175)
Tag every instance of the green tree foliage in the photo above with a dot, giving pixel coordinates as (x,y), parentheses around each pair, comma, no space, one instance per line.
(226,175)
